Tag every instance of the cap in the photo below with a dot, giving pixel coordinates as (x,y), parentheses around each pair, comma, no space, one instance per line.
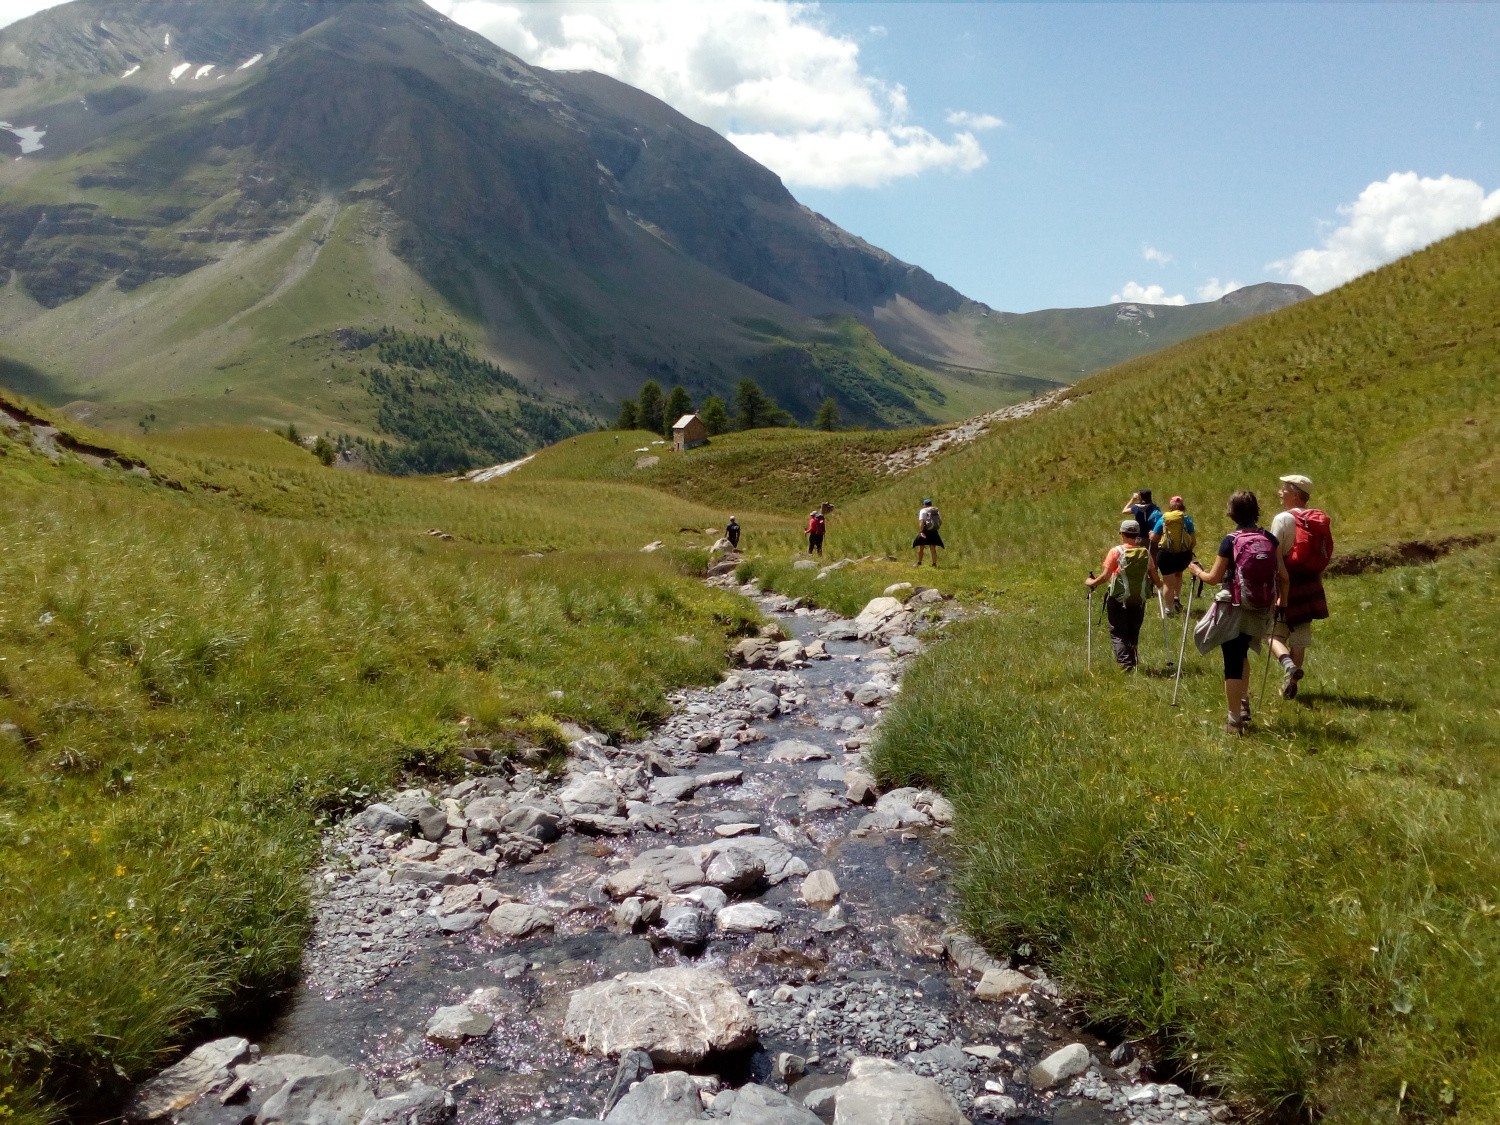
(1176,502)
(1299,482)
(1130,527)
(927,499)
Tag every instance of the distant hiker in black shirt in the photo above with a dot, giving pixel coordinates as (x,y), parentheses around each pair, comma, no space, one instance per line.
(732,533)
(1146,514)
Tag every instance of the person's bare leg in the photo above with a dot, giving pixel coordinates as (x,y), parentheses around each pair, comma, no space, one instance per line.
(1236,692)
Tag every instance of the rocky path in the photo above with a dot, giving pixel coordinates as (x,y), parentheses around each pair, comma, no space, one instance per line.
(724,921)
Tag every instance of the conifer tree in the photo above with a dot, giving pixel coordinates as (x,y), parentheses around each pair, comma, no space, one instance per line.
(651,403)
(715,416)
(751,405)
(828,416)
(679,402)
(630,418)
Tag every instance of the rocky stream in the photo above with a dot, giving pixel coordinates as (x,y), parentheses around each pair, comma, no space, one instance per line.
(726,921)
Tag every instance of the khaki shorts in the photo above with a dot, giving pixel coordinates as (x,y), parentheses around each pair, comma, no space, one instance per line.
(1300,637)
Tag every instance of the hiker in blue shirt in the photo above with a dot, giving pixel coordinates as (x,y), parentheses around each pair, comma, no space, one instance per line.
(1173,538)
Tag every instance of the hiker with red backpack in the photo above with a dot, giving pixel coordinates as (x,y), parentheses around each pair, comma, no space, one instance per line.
(1254,580)
(816,527)
(1130,572)
(1305,539)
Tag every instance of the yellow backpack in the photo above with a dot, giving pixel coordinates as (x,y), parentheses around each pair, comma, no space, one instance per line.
(1174,532)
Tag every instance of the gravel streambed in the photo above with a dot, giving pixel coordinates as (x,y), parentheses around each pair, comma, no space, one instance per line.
(693,926)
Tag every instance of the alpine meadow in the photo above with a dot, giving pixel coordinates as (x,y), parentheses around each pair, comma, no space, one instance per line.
(428,696)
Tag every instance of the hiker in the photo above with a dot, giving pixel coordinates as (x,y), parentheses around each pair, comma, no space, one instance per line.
(929,519)
(1172,543)
(1254,578)
(1144,511)
(1305,539)
(732,533)
(816,526)
(1129,570)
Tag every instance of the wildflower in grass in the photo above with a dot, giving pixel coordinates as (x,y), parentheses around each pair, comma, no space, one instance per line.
(119,870)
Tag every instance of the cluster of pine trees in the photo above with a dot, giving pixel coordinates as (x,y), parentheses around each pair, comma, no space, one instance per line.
(657,411)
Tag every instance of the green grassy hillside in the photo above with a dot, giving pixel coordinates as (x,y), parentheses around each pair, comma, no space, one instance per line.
(1305,918)
(1384,392)
(1064,344)
(785,471)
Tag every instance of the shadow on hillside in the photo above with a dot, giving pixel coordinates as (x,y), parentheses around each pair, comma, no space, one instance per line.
(26,380)
(1346,699)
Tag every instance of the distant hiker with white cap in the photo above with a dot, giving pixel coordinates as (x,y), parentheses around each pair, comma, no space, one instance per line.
(1304,537)
(929,519)
(1131,573)
(732,533)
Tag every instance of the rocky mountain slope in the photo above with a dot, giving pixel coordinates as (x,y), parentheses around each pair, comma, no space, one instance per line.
(204,194)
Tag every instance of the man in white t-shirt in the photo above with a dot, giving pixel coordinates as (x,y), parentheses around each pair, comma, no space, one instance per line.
(929,519)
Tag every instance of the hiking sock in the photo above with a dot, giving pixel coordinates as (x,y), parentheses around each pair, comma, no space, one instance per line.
(1289,664)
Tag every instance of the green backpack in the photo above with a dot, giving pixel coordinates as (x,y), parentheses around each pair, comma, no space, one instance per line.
(1131,583)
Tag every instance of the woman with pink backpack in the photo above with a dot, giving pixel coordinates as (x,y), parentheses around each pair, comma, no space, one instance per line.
(1254,579)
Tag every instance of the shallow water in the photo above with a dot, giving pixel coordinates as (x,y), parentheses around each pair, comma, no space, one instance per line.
(880,985)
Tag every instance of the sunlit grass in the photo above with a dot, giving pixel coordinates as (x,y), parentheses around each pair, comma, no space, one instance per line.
(189,690)
(1306,917)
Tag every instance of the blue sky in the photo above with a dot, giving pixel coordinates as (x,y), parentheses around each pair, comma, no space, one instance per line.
(1043,155)
(1225,135)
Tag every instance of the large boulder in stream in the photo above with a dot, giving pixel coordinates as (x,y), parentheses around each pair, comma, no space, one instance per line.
(879,1092)
(675,1015)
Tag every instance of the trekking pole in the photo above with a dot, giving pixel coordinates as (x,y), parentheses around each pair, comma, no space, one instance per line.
(1089,660)
(1187,618)
(1161,608)
(1265,674)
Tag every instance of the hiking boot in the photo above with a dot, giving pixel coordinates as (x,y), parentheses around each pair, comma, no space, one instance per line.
(1289,684)
(1234,725)
(1244,712)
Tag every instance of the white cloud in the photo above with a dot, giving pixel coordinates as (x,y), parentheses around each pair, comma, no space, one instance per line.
(969,120)
(1391,218)
(768,74)
(1213,289)
(1152,254)
(861,158)
(1146,295)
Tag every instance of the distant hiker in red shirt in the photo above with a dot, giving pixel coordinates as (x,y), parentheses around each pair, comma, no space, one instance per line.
(1304,536)
(816,526)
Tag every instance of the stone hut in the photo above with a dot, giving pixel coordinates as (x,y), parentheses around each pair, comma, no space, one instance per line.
(688,432)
